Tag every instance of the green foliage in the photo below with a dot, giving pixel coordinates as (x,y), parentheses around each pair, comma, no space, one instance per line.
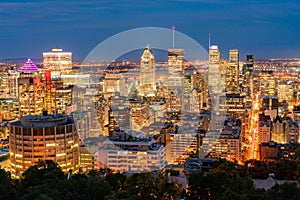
(6,189)
(116,181)
(225,181)
(283,169)
(284,191)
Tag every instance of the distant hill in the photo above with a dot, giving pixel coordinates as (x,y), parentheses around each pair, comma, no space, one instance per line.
(19,60)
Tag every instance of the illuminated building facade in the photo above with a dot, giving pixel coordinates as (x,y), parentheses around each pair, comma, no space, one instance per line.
(267,84)
(147,73)
(234,105)
(30,90)
(9,84)
(176,73)
(232,73)
(9,109)
(121,114)
(139,114)
(285,91)
(196,100)
(132,155)
(264,128)
(87,159)
(158,108)
(278,133)
(292,130)
(58,61)
(179,146)
(228,145)
(112,83)
(49,92)
(43,137)
(213,69)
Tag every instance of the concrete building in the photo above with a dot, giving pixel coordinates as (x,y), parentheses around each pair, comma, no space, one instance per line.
(58,61)
(264,129)
(228,145)
(43,137)
(128,152)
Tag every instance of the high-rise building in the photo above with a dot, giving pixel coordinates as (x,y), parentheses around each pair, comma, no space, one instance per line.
(232,73)
(176,73)
(30,90)
(285,91)
(112,83)
(292,130)
(43,137)
(139,114)
(49,92)
(214,69)
(121,115)
(147,73)
(58,61)
(196,100)
(278,133)
(228,145)
(264,129)
(9,84)
(179,146)
(234,105)
(247,85)
(267,84)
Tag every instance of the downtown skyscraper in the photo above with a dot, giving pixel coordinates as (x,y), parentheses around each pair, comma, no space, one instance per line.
(58,61)
(176,77)
(213,69)
(30,90)
(232,73)
(147,73)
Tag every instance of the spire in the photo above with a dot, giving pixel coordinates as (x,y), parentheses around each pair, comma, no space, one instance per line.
(173,32)
(29,67)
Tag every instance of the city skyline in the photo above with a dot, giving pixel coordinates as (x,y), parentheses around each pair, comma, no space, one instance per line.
(266,29)
(182,99)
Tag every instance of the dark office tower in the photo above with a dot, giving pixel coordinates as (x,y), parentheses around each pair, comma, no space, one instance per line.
(247,84)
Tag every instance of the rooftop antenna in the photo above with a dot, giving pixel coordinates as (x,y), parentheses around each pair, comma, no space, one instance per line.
(173,32)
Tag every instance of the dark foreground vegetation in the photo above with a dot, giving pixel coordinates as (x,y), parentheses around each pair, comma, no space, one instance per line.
(226,180)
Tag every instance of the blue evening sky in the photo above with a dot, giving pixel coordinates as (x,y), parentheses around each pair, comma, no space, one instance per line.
(264,28)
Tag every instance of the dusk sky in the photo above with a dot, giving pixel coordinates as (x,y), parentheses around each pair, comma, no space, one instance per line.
(264,28)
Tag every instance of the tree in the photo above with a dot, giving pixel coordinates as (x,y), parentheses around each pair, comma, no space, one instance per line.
(116,181)
(6,189)
(284,191)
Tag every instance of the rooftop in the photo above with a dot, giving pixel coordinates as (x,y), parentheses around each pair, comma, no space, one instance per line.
(29,67)
(44,120)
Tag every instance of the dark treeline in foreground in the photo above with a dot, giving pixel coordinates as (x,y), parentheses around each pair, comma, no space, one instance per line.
(226,180)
